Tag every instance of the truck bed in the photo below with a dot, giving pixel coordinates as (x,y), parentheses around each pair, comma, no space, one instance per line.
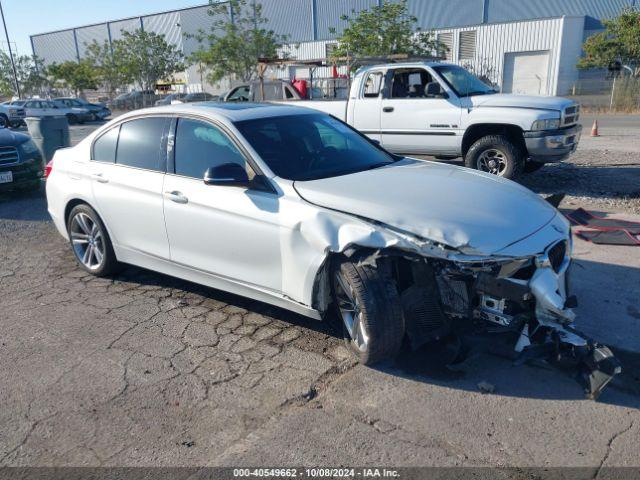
(337,108)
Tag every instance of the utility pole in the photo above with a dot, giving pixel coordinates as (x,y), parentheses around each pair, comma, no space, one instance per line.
(13,63)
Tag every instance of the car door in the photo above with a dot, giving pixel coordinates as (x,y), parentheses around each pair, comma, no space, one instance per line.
(127,171)
(231,232)
(33,108)
(413,121)
(367,105)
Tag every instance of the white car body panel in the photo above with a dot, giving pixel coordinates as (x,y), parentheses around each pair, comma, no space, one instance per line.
(271,246)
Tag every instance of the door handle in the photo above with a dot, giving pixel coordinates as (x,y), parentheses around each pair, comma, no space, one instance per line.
(177,197)
(387,109)
(99,178)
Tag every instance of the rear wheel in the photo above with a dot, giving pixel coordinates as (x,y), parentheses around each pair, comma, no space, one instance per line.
(369,306)
(496,154)
(90,242)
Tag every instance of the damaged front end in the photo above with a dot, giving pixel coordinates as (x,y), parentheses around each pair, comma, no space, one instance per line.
(524,298)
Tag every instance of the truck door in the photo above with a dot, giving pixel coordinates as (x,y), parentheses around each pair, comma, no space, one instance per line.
(414,119)
(367,101)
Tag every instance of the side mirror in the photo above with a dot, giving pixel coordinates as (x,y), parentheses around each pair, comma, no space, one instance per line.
(227,174)
(435,90)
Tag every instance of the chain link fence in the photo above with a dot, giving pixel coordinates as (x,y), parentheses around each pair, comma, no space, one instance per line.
(615,94)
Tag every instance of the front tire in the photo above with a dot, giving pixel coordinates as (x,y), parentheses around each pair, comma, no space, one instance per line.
(496,154)
(90,242)
(368,304)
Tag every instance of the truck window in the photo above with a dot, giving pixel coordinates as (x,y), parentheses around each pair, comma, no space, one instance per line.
(373,85)
(410,83)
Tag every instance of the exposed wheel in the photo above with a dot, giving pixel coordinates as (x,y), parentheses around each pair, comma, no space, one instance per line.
(90,241)
(72,119)
(531,166)
(369,306)
(496,154)
(4,121)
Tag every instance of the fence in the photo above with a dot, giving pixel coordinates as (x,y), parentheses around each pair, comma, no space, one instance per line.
(621,94)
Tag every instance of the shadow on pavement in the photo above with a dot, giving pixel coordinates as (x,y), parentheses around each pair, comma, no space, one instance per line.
(29,205)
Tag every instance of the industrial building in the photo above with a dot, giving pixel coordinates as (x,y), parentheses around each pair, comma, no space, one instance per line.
(523,46)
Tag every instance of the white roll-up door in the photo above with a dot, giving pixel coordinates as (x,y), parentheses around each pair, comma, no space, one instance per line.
(526,73)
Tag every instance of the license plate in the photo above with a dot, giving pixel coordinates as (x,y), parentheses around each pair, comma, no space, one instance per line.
(6,177)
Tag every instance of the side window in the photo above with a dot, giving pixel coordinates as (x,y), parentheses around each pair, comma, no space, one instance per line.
(200,146)
(410,83)
(140,143)
(104,148)
(373,85)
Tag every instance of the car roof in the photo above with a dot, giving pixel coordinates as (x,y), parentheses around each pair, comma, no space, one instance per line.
(232,112)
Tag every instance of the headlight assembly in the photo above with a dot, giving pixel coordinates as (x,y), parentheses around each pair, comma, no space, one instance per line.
(547,124)
(29,148)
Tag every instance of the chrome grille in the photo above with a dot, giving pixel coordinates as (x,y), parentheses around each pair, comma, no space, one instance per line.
(571,115)
(8,155)
(556,255)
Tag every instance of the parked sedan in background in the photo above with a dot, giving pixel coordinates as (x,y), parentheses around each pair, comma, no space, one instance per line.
(37,107)
(296,208)
(169,99)
(21,165)
(195,97)
(97,111)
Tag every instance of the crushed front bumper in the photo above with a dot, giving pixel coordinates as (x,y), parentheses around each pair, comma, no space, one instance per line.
(549,146)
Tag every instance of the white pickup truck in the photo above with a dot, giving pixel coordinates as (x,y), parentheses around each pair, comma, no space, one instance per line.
(442,110)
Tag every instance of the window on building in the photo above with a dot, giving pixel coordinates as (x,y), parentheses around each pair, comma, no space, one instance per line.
(467,50)
(200,146)
(104,148)
(446,39)
(373,85)
(140,143)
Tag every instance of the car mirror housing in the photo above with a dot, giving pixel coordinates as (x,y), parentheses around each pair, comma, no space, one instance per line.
(227,174)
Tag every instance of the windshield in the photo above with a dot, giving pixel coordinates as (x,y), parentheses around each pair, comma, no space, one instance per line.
(309,147)
(462,82)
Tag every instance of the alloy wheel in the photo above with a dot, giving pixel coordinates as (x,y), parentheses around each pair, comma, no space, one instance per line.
(88,241)
(351,314)
(492,161)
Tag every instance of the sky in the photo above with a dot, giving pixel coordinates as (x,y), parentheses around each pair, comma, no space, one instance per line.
(28,17)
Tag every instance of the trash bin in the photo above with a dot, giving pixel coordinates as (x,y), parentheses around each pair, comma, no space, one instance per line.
(49,134)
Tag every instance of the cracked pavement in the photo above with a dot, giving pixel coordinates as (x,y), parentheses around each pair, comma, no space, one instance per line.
(146,370)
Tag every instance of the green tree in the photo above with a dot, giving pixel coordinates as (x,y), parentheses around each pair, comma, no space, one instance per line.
(237,39)
(146,58)
(109,68)
(77,76)
(619,42)
(29,71)
(385,29)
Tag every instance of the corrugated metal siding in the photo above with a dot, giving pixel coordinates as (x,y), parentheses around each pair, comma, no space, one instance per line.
(293,19)
(509,10)
(167,24)
(192,21)
(129,25)
(56,47)
(446,13)
(88,35)
(329,13)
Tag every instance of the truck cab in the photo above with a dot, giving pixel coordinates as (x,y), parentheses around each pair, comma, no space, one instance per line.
(442,110)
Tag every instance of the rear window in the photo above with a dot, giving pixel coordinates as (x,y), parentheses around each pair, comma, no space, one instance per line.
(104,148)
(140,143)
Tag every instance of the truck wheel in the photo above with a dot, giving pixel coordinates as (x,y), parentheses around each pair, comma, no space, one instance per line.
(4,121)
(369,306)
(496,154)
(531,166)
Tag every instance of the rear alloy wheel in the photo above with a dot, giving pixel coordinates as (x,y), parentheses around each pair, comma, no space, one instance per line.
(497,155)
(90,241)
(369,307)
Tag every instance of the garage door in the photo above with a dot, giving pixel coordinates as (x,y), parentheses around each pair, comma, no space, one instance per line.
(526,73)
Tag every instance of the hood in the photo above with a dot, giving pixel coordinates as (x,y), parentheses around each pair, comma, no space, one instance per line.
(11,139)
(472,211)
(521,101)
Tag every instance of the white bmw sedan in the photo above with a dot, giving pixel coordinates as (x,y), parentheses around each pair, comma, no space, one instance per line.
(295,208)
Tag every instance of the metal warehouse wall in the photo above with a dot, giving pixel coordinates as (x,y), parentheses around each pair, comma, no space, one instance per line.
(308,20)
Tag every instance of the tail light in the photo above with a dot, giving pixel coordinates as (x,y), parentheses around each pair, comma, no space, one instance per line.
(47,169)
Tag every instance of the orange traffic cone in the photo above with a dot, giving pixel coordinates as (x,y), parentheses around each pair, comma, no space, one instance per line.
(594,129)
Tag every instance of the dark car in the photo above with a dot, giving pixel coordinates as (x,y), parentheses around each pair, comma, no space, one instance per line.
(198,97)
(98,111)
(21,165)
